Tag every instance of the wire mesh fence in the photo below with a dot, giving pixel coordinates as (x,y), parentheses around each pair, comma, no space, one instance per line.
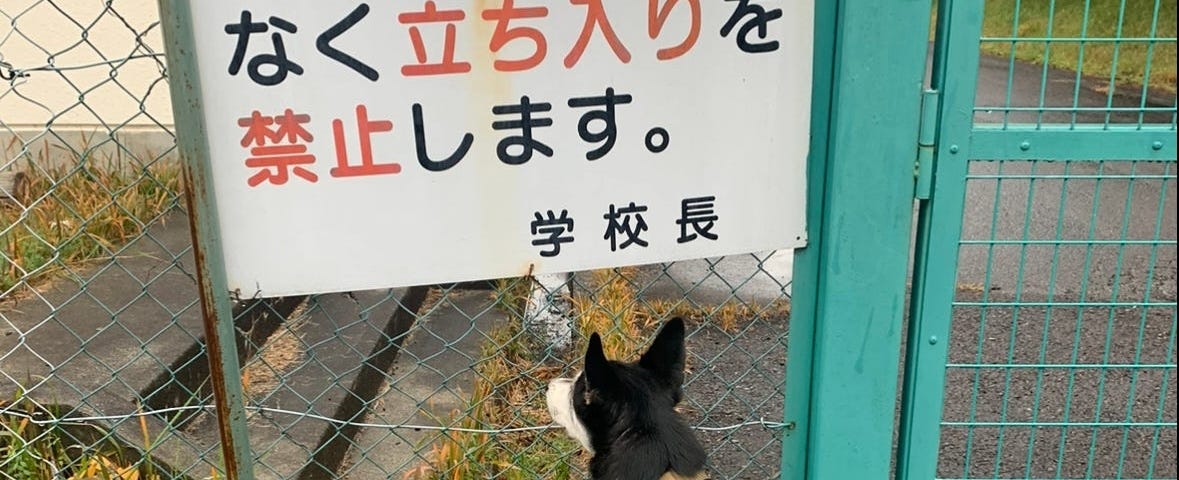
(103,365)
(1062,361)
(1062,355)
(1063,364)
(1077,63)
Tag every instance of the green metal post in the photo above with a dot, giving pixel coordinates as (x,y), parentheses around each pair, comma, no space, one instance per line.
(185,86)
(865,232)
(804,285)
(954,76)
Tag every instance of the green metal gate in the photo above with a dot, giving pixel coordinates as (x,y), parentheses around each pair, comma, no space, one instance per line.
(1042,333)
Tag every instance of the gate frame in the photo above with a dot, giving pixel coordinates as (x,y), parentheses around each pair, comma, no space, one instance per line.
(954,141)
(849,282)
(953,86)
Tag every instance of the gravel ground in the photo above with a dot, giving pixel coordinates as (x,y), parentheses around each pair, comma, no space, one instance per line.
(737,376)
(731,383)
(1118,406)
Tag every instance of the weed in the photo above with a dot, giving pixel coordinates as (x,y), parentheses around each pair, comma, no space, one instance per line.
(64,450)
(508,391)
(82,208)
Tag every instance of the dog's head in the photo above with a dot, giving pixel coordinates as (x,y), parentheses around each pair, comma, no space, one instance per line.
(615,405)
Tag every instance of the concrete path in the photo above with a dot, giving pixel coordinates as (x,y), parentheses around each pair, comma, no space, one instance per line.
(431,381)
(130,332)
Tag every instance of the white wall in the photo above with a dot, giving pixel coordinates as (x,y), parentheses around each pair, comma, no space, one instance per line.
(86,101)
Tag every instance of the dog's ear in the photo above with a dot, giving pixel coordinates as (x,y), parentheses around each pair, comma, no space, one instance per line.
(598,374)
(665,356)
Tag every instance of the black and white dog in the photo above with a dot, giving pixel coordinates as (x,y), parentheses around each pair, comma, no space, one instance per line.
(624,413)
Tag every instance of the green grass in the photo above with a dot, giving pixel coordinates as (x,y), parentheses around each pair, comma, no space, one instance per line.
(69,451)
(1136,62)
(81,209)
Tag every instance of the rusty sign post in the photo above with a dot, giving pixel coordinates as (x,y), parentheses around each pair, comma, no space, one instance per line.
(216,308)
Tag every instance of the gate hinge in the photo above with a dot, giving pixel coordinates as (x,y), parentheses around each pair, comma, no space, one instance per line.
(926,142)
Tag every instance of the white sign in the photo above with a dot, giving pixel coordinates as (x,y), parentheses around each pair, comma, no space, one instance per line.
(381,144)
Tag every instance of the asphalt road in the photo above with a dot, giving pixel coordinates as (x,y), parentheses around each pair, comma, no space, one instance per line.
(1103,244)
(1108,209)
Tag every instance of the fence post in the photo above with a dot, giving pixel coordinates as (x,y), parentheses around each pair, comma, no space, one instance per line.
(864,236)
(224,371)
(804,279)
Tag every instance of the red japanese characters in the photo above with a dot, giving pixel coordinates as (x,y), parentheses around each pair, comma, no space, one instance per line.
(433,36)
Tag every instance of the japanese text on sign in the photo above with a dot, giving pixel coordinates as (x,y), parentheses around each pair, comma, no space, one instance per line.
(366,145)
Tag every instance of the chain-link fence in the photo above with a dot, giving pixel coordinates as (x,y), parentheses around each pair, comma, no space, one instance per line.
(101,347)
(1062,336)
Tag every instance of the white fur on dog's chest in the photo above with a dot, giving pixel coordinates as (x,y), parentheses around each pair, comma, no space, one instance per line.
(560,403)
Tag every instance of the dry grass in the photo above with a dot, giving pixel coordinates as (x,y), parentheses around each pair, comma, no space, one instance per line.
(510,381)
(80,209)
(283,351)
(613,311)
(33,451)
(506,393)
(728,316)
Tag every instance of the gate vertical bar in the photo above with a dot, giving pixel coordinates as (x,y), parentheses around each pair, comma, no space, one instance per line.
(806,260)
(224,377)
(955,76)
(863,252)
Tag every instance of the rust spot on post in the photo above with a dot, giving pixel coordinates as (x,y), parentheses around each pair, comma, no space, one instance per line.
(209,321)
